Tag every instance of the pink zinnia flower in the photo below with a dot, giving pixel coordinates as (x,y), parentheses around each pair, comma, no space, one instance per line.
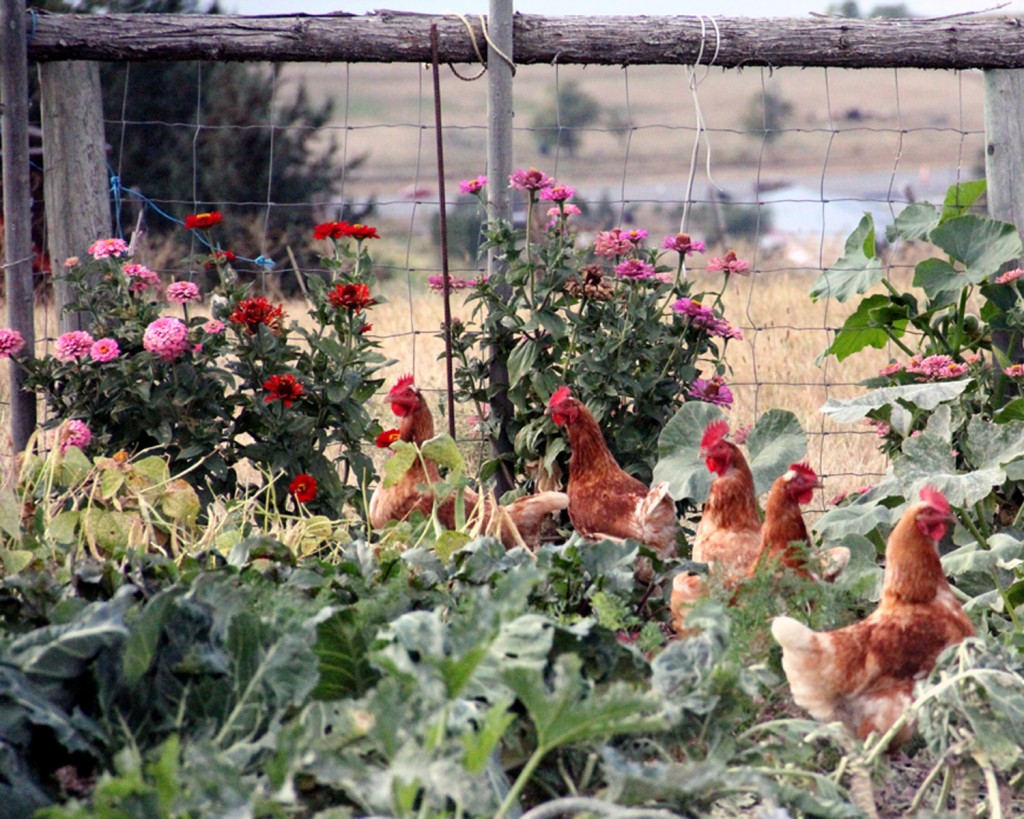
(1014,371)
(104,349)
(71,261)
(213,327)
(636,236)
(612,243)
(140,277)
(712,390)
(1009,276)
(73,433)
(699,315)
(183,292)
(472,185)
(166,337)
(105,248)
(11,342)
(730,263)
(436,283)
(531,180)
(723,329)
(73,345)
(557,193)
(682,244)
(891,369)
(937,367)
(634,269)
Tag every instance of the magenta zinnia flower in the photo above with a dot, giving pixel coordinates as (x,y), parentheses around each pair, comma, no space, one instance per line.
(634,269)
(104,349)
(166,337)
(612,243)
(140,277)
(682,244)
(712,390)
(730,263)
(531,180)
(557,193)
(11,342)
(73,433)
(213,327)
(472,185)
(105,248)
(699,315)
(73,345)
(936,367)
(183,292)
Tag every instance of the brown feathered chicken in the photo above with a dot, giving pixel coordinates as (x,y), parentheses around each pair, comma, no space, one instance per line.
(863,675)
(526,519)
(728,536)
(604,500)
(784,534)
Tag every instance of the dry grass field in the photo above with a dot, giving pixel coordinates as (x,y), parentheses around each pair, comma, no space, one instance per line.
(876,135)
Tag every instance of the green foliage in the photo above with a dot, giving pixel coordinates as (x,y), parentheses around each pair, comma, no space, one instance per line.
(209,402)
(558,124)
(561,314)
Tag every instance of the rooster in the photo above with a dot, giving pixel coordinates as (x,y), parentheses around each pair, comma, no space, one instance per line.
(784,528)
(523,522)
(728,537)
(863,675)
(605,501)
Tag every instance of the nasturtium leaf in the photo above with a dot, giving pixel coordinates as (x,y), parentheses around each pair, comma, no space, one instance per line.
(914,222)
(857,271)
(982,244)
(923,396)
(679,460)
(776,441)
(875,322)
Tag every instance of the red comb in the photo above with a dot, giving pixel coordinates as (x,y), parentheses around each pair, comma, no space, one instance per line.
(560,395)
(401,384)
(935,499)
(805,470)
(713,433)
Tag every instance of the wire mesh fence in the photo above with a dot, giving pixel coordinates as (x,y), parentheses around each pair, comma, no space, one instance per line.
(778,165)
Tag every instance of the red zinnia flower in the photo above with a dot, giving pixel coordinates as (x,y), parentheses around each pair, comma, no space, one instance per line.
(303,488)
(283,387)
(203,221)
(352,296)
(358,231)
(387,438)
(331,230)
(222,256)
(256,311)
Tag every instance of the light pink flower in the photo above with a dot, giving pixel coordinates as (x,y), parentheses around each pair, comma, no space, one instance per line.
(634,269)
(213,327)
(11,342)
(557,193)
(1014,371)
(936,367)
(891,369)
(712,390)
(472,185)
(73,433)
(183,292)
(71,261)
(167,337)
(73,345)
(140,277)
(105,248)
(723,329)
(699,315)
(636,236)
(741,434)
(682,244)
(531,180)
(881,428)
(1009,276)
(612,243)
(730,263)
(104,349)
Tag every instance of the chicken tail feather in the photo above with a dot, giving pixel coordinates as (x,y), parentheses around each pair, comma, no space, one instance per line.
(792,635)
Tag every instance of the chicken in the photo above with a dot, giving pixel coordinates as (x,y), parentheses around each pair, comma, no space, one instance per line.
(784,528)
(605,501)
(523,522)
(863,675)
(728,537)
(688,588)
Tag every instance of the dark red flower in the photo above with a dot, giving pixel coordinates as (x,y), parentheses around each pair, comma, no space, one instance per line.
(387,438)
(303,488)
(283,387)
(351,296)
(256,311)
(362,232)
(331,230)
(203,221)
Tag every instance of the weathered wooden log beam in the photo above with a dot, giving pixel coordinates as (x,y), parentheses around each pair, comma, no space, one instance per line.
(385,36)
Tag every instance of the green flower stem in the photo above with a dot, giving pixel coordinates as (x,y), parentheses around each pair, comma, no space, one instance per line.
(512,797)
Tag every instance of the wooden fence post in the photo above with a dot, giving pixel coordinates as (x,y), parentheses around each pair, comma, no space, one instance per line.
(75,168)
(17,207)
(1004,164)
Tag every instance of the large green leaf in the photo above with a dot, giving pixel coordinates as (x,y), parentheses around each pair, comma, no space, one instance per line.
(923,396)
(521,361)
(914,222)
(442,450)
(679,462)
(937,277)
(961,197)
(857,271)
(983,245)
(1004,552)
(403,456)
(928,460)
(776,441)
(875,322)
(991,444)
(342,649)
